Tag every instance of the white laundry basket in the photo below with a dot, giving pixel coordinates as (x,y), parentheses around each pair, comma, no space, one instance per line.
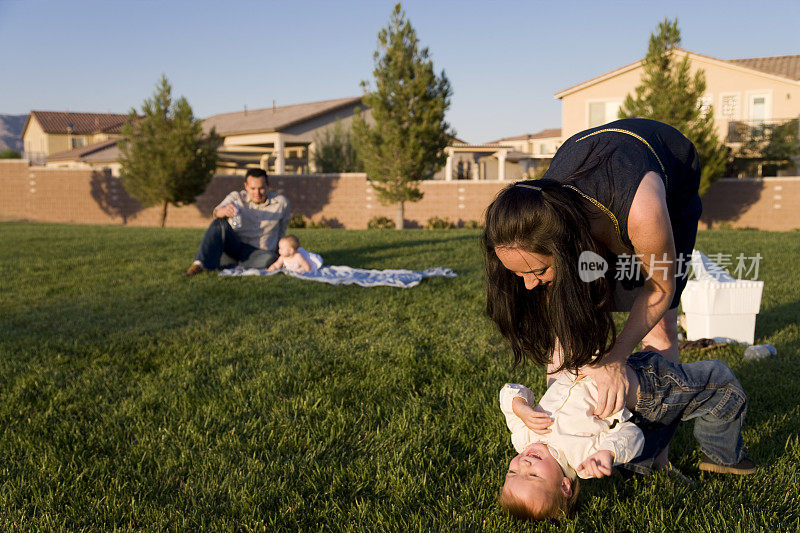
(716,305)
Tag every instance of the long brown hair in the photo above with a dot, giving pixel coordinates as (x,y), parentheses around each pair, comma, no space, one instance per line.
(543,217)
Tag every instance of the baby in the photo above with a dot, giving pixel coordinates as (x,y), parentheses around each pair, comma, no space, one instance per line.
(542,480)
(293,258)
(562,431)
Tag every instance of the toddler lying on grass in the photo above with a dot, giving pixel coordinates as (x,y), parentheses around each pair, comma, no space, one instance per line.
(542,480)
(560,439)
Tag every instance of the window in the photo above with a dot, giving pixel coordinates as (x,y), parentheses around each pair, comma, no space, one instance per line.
(543,148)
(730,106)
(602,113)
(77,142)
(760,107)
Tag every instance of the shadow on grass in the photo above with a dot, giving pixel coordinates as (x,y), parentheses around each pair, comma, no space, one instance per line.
(363,255)
(771,321)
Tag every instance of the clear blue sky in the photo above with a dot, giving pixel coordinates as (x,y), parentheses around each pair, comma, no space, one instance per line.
(505,59)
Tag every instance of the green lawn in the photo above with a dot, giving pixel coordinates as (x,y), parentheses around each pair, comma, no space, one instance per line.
(134,399)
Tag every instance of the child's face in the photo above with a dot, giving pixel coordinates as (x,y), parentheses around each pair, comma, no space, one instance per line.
(535,477)
(285,248)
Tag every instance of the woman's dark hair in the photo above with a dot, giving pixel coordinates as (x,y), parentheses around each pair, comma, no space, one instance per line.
(546,218)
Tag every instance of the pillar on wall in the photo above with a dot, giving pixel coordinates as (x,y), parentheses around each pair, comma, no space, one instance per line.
(280,159)
(501,165)
(312,164)
(475,168)
(448,166)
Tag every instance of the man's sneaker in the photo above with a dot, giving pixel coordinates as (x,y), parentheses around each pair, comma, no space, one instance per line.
(743,467)
(195,269)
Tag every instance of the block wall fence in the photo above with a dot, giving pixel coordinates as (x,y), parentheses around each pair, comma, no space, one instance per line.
(42,194)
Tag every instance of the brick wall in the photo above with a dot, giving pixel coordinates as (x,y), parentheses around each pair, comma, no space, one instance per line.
(768,204)
(343,200)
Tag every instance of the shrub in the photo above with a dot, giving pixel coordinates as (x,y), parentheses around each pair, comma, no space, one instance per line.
(472,224)
(316,224)
(381,223)
(301,221)
(439,223)
(297,221)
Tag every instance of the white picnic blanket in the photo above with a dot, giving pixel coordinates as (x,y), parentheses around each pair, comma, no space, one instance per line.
(345,275)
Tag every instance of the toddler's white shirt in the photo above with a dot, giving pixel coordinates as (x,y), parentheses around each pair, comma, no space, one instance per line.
(576,433)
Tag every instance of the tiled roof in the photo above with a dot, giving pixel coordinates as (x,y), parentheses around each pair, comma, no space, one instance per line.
(102,152)
(273,119)
(78,123)
(784,66)
(544,134)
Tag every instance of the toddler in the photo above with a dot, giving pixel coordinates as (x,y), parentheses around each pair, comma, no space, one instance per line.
(295,259)
(661,395)
(542,480)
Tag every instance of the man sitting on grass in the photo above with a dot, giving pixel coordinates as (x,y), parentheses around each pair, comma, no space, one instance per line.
(247,227)
(539,483)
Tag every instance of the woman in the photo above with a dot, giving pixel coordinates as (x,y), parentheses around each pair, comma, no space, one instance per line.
(628,188)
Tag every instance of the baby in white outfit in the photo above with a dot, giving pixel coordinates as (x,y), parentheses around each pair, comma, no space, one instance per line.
(295,259)
(541,481)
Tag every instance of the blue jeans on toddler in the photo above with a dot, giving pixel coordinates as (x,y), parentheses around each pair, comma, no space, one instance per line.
(706,391)
(221,248)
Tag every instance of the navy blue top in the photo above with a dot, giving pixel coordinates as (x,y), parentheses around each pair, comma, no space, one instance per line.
(606,164)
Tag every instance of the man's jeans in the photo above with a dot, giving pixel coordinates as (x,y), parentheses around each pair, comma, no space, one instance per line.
(222,248)
(706,391)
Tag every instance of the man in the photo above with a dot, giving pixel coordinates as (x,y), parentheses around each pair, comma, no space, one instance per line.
(259,218)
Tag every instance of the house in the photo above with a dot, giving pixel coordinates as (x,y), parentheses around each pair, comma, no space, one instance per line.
(50,132)
(742,92)
(278,139)
(103,155)
(540,148)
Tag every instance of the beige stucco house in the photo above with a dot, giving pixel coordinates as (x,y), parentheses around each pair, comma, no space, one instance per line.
(278,139)
(741,92)
(103,155)
(52,132)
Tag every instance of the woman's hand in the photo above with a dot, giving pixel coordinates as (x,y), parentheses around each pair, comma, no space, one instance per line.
(612,384)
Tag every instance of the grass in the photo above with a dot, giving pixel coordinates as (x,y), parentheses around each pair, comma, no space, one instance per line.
(133,399)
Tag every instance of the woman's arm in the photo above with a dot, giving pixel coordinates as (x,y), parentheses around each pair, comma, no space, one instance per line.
(651,235)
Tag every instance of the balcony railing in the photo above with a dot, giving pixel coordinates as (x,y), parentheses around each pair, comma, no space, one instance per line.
(741,130)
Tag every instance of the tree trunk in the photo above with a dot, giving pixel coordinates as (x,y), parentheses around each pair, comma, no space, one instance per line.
(399,216)
(164,213)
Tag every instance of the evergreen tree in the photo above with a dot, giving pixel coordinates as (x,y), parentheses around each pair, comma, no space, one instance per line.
(670,94)
(165,158)
(10,153)
(334,151)
(407,140)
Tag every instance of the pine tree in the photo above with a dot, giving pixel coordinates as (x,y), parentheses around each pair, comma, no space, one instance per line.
(407,140)
(670,94)
(165,158)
